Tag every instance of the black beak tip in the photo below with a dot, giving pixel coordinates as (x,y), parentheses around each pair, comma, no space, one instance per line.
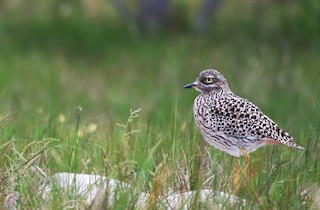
(189,85)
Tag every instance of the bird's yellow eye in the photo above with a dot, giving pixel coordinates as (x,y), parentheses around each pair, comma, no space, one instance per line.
(208,80)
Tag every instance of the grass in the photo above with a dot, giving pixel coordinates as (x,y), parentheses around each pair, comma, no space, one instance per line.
(118,109)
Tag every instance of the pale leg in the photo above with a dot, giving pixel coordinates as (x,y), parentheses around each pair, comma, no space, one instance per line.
(247,157)
(236,171)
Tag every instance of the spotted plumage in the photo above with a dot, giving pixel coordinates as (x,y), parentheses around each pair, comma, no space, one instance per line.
(229,122)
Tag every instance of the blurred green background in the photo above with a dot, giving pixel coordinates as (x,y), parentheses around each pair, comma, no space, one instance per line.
(110,56)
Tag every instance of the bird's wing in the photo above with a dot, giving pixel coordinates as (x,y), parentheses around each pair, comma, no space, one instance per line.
(238,117)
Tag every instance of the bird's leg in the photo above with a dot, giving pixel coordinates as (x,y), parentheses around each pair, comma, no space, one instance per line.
(247,158)
(236,171)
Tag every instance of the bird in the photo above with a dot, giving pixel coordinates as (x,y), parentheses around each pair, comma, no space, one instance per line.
(231,123)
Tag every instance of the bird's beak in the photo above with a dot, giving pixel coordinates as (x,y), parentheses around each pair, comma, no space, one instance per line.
(190,85)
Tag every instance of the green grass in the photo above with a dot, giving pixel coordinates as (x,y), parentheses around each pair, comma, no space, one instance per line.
(68,102)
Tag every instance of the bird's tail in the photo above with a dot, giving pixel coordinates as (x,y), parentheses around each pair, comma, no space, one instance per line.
(298,147)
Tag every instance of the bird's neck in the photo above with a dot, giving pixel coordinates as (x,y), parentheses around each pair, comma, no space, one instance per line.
(218,91)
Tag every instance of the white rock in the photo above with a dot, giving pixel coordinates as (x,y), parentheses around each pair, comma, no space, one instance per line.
(87,186)
(93,189)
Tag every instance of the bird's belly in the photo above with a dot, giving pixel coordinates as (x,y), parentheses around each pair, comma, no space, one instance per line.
(230,144)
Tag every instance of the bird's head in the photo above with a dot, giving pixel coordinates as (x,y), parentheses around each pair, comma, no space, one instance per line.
(209,80)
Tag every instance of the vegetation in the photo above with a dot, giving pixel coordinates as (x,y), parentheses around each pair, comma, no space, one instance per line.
(82,91)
